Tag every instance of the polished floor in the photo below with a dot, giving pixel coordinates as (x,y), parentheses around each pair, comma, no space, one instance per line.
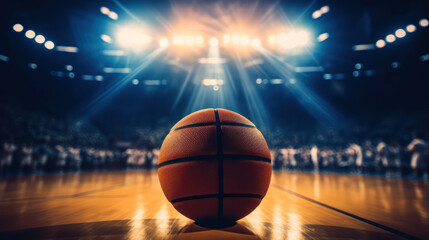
(131,205)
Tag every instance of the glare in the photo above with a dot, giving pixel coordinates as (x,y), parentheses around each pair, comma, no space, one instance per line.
(226,38)
(32,66)
(49,45)
(113,15)
(324,9)
(18,27)
(99,78)
(380,43)
(355,73)
(322,37)
(258,81)
(30,34)
(358,66)
(236,39)
(71,75)
(178,40)
(271,39)
(163,42)
(245,40)
(214,42)
(411,28)
(256,42)
(395,64)
(390,38)
(190,40)
(39,39)
(316,14)
(106,38)
(400,33)
(292,81)
(199,40)
(296,39)
(132,37)
(69,67)
(424,22)
(216,88)
(135,81)
(104,10)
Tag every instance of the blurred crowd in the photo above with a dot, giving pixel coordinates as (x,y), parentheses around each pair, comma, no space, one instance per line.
(35,143)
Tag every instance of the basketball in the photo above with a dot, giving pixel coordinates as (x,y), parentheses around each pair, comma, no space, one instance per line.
(214,165)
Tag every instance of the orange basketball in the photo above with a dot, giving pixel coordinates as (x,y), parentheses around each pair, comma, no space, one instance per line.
(214,165)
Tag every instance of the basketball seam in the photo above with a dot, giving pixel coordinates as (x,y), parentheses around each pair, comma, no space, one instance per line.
(220,163)
(213,157)
(223,123)
(225,195)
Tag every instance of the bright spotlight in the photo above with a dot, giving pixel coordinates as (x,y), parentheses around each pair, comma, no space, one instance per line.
(390,38)
(424,22)
(132,37)
(296,39)
(113,15)
(324,9)
(400,33)
(39,39)
(30,34)
(316,14)
(163,42)
(226,38)
(190,40)
(380,43)
(411,28)
(358,66)
(256,42)
(135,81)
(322,37)
(235,39)
(106,38)
(272,39)
(68,67)
(214,42)
(104,10)
(245,40)
(49,45)
(18,27)
(178,40)
(199,40)
(216,88)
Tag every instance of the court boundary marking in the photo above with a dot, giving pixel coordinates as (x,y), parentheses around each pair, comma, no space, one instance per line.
(375,224)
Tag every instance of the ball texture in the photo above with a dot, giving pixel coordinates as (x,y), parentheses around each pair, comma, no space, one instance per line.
(214,165)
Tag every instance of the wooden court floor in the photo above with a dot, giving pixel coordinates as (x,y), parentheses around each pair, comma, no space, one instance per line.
(131,205)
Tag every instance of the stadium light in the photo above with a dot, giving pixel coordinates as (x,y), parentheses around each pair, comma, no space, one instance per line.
(411,28)
(236,39)
(68,67)
(30,34)
(106,38)
(49,45)
(163,42)
(132,37)
(178,40)
(256,42)
(39,39)
(199,40)
(296,39)
(226,39)
(112,15)
(272,39)
(400,33)
(214,42)
(324,9)
(190,40)
(135,81)
(316,14)
(18,27)
(424,22)
(380,43)
(244,40)
(104,10)
(390,38)
(322,37)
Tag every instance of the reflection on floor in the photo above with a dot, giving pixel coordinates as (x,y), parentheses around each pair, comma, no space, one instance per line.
(131,205)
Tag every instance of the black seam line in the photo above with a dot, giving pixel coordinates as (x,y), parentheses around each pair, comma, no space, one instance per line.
(220,163)
(215,156)
(214,124)
(225,195)
(375,224)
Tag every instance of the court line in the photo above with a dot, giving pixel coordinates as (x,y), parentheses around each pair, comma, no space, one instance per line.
(375,224)
(63,196)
